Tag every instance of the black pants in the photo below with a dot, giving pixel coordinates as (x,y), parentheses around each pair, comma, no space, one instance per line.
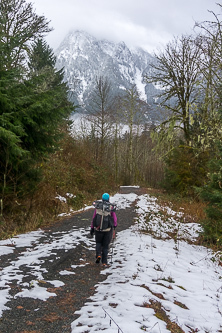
(103,240)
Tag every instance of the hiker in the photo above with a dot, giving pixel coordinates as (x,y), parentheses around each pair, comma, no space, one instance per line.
(104,222)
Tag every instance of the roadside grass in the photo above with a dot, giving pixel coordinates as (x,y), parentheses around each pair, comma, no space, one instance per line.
(33,212)
(70,180)
(44,207)
(161,314)
(48,205)
(192,208)
(187,210)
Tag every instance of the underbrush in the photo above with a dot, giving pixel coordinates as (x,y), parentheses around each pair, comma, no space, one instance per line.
(70,179)
(39,210)
(190,209)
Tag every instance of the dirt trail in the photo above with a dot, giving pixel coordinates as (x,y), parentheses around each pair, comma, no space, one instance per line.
(55,315)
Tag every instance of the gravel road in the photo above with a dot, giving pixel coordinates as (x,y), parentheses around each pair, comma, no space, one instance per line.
(55,315)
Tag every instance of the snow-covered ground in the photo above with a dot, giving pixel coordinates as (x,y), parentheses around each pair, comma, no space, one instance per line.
(82,126)
(153,279)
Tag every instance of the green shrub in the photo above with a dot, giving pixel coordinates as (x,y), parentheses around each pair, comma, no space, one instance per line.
(212,194)
(184,170)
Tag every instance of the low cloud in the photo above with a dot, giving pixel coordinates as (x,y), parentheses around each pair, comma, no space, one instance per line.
(149,24)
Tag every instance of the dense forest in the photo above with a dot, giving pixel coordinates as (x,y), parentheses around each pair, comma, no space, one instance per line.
(41,158)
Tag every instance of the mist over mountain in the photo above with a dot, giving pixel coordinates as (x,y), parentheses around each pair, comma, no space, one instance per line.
(84,57)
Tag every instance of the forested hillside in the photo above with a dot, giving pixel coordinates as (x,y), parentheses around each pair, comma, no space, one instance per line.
(42,157)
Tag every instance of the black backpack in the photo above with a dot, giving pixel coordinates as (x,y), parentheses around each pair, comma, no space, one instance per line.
(103,221)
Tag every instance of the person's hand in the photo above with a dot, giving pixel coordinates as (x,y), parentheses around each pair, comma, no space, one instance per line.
(92,231)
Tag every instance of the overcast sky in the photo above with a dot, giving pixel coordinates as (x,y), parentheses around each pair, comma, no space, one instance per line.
(149,24)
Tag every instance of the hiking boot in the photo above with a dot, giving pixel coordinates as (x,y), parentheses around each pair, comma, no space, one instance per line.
(98,259)
(105,265)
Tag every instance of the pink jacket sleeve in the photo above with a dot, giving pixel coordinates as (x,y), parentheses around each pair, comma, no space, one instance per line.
(113,214)
(94,214)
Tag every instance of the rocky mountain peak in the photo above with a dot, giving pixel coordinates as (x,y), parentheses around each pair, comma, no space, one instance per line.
(84,57)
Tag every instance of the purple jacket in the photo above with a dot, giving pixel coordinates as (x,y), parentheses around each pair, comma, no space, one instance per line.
(113,214)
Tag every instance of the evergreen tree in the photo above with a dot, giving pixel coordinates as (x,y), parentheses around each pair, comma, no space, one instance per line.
(41,57)
(212,194)
(184,170)
(10,128)
(44,108)
(33,98)
(212,191)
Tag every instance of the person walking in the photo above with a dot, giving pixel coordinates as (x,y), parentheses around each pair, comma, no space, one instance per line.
(103,234)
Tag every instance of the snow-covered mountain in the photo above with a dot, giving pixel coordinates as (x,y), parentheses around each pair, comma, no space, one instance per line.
(84,57)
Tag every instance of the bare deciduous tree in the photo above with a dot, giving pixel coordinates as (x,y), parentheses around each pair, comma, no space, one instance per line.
(133,111)
(100,110)
(206,117)
(177,71)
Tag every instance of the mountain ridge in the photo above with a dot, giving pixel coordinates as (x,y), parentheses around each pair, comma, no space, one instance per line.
(83,57)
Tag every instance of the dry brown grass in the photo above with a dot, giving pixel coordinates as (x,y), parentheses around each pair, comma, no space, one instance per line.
(161,314)
(70,170)
(73,170)
(193,209)
(32,212)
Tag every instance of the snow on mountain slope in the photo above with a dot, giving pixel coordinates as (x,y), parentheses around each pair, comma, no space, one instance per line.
(83,57)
